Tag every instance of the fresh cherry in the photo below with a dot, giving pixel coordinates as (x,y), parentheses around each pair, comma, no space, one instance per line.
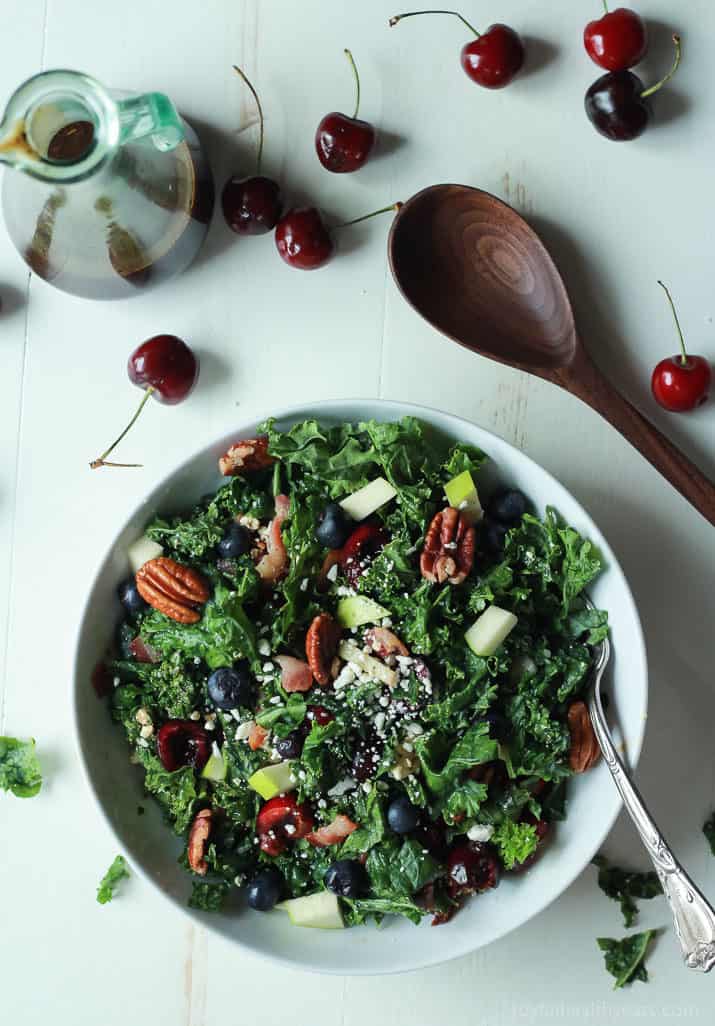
(616,41)
(303,240)
(281,820)
(681,383)
(617,103)
(183,743)
(166,369)
(471,867)
(344,143)
(491,60)
(364,543)
(252,206)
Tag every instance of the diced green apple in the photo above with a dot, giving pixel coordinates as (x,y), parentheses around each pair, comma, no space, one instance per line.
(320,911)
(358,609)
(369,499)
(141,551)
(462,493)
(489,630)
(215,768)
(377,670)
(273,780)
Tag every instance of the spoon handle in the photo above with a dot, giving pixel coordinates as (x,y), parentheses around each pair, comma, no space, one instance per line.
(693,915)
(586,381)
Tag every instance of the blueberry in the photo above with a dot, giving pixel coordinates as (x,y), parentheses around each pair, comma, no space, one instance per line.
(291,746)
(346,877)
(508,506)
(402,815)
(493,535)
(231,686)
(334,527)
(236,542)
(130,598)
(264,890)
(125,635)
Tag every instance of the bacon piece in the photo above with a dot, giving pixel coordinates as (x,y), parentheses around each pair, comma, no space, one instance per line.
(274,564)
(333,833)
(295,674)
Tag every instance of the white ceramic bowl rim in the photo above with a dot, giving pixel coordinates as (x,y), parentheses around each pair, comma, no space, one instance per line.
(466,932)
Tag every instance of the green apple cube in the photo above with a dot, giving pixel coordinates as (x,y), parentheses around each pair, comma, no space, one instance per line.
(357,610)
(377,670)
(489,630)
(320,911)
(142,551)
(462,493)
(215,768)
(273,780)
(369,499)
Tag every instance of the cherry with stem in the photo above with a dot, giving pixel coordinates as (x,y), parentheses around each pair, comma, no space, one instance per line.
(252,206)
(492,59)
(682,382)
(304,241)
(343,144)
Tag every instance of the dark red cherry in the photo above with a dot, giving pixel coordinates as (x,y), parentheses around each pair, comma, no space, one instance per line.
(493,58)
(252,206)
(166,369)
(681,383)
(617,103)
(364,543)
(471,867)
(281,820)
(166,365)
(183,743)
(344,143)
(616,41)
(303,240)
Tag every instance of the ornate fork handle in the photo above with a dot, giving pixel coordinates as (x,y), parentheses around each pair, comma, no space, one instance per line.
(693,915)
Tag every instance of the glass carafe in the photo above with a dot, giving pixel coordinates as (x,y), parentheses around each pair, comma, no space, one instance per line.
(109,193)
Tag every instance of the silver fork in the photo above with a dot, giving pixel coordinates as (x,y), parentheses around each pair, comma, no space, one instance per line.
(693,916)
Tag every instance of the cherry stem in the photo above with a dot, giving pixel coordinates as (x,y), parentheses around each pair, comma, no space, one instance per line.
(366,217)
(667,78)
(101,461)
(412,14)
(357,80)
(684,357)
(254,94)
(605,6)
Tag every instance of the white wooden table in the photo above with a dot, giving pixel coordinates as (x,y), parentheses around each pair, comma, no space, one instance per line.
(616,217)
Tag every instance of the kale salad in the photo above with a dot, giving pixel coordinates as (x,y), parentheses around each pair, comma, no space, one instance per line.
(352,682)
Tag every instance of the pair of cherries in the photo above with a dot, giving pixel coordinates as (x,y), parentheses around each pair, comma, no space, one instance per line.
(617,104)
(254,205)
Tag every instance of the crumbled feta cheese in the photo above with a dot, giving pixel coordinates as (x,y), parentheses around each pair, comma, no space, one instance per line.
(275,700)
(367,787)
(264,648)
(142,717)
(147,730)
(379,722)
(384,701)
(236,715)
(387,622)
(332,574)
(480,832)
(322,804)
(142,742)
(244,730)
(342,787)
(267,667)
(304,584)
(289,828)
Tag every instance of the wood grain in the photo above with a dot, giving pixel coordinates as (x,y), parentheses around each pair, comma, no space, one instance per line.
(473,267)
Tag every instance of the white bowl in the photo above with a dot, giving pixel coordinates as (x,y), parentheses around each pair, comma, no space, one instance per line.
(398,946)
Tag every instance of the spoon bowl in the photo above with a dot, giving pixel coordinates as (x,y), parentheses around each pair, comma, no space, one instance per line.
(479,274)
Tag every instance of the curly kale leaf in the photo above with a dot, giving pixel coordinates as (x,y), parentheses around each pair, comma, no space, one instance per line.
(370,815)
(625,958)
(176,792)
(515,841)
(442,764)
(398,870)
(118,871)
(19,767)
(624,886)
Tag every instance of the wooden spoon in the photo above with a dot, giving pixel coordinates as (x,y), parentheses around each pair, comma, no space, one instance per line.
(473,268)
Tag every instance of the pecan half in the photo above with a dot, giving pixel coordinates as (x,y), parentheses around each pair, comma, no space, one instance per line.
(245,456)
(448,553)
(321,646)
(198,840)
(584,752)
(172,589)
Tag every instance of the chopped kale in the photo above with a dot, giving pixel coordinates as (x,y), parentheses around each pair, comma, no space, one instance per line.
(624,886)
(118,871)
(19,767)
(625,958)
(209,897)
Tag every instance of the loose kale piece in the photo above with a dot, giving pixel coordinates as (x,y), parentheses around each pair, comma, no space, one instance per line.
(515,841)
(625,958)
(19,767)
(625,886)
(209,897)
(357,910)
(709,831)
(119,870)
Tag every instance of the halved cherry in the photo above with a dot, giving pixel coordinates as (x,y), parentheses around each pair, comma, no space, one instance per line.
(471,867)
(281,820)
(320,715)
(361,546)
(142,652)
(183,743)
